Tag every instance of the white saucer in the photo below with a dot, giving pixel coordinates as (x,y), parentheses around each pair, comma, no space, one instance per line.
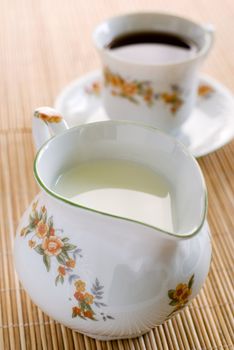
(210,126)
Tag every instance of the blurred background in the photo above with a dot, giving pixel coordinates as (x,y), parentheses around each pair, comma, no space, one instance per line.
(47,44)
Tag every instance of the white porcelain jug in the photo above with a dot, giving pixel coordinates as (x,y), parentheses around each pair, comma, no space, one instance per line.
(106,276)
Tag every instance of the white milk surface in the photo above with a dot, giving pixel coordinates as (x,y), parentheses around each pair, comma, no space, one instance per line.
(121,188)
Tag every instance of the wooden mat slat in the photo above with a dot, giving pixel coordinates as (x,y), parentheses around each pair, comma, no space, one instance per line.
(43,46)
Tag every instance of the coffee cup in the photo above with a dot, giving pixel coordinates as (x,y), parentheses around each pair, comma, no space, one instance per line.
(151,67)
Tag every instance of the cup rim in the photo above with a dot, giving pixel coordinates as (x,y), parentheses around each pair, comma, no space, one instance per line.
(63,199)
(200,53)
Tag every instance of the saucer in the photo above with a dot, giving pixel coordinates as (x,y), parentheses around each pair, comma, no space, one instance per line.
(209,127)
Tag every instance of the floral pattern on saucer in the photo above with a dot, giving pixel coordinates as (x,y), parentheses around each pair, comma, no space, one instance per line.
(94,88)
(50,243)
(205,90)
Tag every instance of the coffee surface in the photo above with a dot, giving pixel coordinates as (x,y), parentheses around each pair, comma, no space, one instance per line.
(152,47)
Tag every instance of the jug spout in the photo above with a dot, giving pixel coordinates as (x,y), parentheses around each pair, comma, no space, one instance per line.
(47,122)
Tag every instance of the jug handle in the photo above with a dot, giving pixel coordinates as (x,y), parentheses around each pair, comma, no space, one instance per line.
(47,122)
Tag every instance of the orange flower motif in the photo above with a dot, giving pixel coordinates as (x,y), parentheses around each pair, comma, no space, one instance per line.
(116,81)
(137,91)
(76,311)
(88,298)
(41,229)
(182,292)
(204,90)
(61,271)
(31,243)
(52,245)
(48,118)
(180,295)
(129,89)
(173,100)
(54,119)
(96,87)
(71,263)
(79,296)
(148,95)
(169,98)
(80,285)
(88,314)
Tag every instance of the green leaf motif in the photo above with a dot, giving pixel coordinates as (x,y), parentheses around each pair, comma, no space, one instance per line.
(44,216)
(191,281)
(88,307)
(50,221)
(31,221)
(65,254)
(171,293)
(28,230)
(110,317)
(57,279)
(61,259)
(173,303)
(65,239)
(69,247)
(39,249)
(46,260)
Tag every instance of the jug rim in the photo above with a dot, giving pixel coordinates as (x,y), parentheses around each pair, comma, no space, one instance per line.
(59,197)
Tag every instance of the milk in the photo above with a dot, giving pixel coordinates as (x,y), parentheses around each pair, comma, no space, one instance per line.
(122,188)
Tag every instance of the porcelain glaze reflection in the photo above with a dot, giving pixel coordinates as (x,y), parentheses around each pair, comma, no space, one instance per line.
(106,276)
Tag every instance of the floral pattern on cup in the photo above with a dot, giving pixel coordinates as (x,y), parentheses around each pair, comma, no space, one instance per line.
(203,91)
(50,243)
(86,300)
(142,91)
(179,296)
(47,118)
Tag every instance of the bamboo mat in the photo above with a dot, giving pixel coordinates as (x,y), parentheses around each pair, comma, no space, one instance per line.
(43,45)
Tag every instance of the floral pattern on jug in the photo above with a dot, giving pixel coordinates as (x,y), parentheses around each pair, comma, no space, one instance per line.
(142,91)
(180,295)
(48,118)
(86,301)
(47,241)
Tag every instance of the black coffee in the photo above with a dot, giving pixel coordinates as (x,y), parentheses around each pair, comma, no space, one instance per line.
(152,47)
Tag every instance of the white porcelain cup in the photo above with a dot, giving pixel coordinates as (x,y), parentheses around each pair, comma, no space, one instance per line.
(161,95)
